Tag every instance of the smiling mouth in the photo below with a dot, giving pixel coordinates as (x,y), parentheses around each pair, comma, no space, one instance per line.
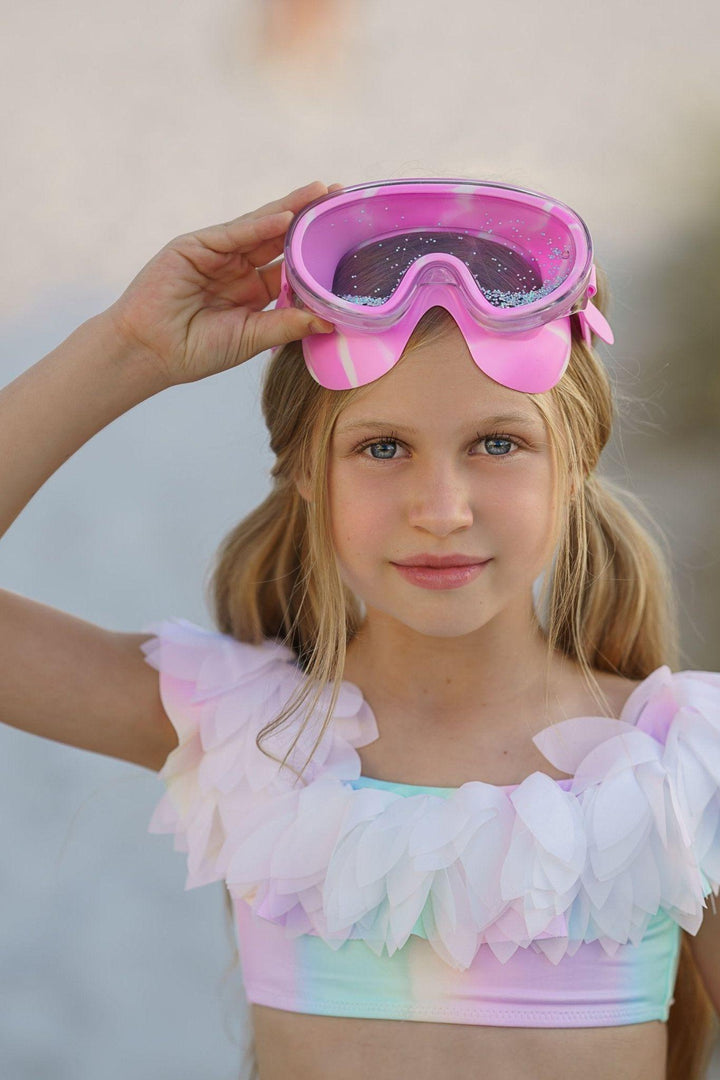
(439,564)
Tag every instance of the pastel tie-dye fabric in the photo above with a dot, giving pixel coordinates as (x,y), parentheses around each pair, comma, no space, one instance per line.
(550,903)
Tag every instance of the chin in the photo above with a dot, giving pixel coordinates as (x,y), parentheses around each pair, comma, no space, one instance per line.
(443,625)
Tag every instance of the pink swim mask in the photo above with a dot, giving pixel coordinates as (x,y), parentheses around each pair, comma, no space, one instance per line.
(511,266)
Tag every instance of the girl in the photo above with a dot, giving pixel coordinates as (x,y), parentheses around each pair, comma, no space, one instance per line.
(466,814)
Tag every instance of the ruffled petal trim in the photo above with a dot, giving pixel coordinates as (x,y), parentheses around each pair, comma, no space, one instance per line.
(534,866)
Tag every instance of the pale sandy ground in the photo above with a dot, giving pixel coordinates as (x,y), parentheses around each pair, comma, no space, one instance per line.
(124,125)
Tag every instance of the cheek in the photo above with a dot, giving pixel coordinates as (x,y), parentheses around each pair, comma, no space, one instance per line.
(355,518)
(364,514)
(352,511)
(358,517)
(522,512)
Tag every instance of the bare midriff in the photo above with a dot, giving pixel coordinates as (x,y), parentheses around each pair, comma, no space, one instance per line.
(299,1046)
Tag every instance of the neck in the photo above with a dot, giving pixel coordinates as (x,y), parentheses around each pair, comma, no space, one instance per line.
(436,682)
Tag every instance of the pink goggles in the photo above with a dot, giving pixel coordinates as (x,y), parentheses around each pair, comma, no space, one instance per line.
(511,266)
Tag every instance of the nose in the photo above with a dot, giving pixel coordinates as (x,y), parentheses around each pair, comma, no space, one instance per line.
(439,501)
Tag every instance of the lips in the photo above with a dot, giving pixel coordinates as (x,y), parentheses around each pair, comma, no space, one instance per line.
(446,577)
(441,562)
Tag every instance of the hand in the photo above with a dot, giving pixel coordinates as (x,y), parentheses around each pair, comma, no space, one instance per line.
(196,307)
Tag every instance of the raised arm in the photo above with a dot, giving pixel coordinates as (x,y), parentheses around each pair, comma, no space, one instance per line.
(53,408)
(77,683)
(64,678)
(195,309)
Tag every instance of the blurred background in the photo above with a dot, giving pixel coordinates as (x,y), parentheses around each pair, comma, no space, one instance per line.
(124,125)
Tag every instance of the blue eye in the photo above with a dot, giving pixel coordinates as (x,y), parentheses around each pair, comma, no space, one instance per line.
(494,437)
(384,441)
(498,439)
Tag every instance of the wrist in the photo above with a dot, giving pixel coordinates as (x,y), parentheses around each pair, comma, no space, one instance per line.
(136,364)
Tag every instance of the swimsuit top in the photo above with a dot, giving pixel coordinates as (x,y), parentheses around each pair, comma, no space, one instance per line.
(549,903)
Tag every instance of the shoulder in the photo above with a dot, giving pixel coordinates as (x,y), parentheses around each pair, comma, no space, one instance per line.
(220,694)
(626,697)
(576,697)
(210,683)
(211,659)
(617,689)
(688,687)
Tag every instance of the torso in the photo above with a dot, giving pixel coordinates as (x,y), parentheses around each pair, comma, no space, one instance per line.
(299,1046)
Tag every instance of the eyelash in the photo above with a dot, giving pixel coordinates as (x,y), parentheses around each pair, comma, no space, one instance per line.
(392,437)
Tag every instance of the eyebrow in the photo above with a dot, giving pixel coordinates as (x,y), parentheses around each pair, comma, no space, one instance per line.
(498,419)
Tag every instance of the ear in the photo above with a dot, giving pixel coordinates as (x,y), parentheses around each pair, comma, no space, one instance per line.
(303,486)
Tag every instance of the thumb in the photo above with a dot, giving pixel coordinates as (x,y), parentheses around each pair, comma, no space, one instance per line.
(282,325)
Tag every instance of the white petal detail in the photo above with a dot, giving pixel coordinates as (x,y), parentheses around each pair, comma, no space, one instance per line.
(534,866)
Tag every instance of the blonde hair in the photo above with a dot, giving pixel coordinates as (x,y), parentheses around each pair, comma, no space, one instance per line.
(609,601)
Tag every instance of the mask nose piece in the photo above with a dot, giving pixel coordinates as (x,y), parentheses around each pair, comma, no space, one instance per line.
(440,274)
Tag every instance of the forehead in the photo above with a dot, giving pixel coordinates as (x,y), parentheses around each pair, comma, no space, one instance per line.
(395,418)
(451,406)
(439,383)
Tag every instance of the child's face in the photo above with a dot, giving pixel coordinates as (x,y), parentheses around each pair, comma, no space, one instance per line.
(440,490)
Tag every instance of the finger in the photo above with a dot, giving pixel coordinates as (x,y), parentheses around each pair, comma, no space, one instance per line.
(278,327)
(272,248)
(245,235)
(271,278)
(240,233)
(265,252)
(293,202)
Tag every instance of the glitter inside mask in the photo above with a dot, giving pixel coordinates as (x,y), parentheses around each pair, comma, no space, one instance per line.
(492,264)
